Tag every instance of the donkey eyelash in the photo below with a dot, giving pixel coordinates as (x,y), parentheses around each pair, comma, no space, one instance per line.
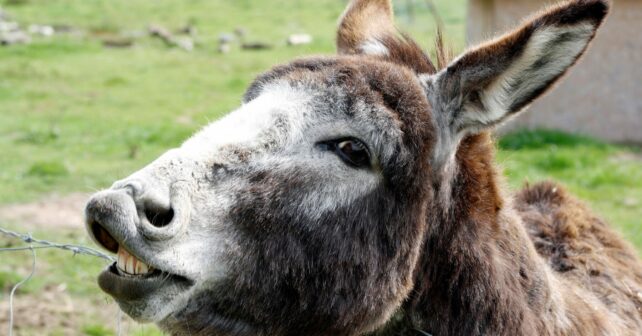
(358,157)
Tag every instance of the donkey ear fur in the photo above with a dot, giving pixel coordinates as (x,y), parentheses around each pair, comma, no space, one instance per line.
(367,28)
(363,25)
(497,79)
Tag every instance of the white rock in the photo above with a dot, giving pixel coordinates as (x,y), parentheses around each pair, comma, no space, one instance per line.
(224,48)
(8,26)
(42,30)
(14,37)
(225,38)
(299,39)
(184,43)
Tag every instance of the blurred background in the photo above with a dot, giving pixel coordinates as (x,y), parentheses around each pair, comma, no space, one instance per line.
(92,90)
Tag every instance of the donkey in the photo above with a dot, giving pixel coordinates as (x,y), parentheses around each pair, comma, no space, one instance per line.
(357,195)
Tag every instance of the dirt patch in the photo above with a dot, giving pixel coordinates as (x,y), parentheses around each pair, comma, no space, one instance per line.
(51,212)
(627,157)
(50,310)
(54,311)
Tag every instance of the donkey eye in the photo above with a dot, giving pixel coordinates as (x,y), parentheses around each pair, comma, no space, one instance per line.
(352,151)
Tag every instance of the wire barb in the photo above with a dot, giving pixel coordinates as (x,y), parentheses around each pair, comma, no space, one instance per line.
(76,249)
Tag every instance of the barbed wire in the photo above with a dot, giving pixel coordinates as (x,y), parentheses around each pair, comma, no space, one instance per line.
(76,249)
(35,244)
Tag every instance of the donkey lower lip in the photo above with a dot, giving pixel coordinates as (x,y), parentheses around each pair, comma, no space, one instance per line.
(127,279)
(125,287)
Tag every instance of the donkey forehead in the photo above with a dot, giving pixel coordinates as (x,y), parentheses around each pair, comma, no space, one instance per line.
(320,99)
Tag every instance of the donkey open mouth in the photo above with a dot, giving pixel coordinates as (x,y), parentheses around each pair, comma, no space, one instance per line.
(137,275)
(130,278)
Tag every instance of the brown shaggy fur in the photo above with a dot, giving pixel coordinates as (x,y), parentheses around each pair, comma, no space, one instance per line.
(541,264)
(583,249)
(482,275)
(538,264)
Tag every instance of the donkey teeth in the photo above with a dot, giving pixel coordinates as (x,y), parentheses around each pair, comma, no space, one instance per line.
(128,264)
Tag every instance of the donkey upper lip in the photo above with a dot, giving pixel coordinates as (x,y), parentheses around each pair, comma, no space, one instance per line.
(128,263)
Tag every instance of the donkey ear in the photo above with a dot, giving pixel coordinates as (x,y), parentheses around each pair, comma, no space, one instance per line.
(495,80)
(364,25)
(367,28)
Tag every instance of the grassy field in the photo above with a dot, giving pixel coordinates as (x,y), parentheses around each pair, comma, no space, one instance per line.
(75,116)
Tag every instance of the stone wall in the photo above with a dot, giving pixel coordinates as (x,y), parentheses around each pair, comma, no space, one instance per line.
(602,94)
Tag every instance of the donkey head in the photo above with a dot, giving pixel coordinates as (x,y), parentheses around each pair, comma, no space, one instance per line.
(305,210)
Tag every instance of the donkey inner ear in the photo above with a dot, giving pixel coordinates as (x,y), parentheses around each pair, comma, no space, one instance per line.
(363,26)
(495,80)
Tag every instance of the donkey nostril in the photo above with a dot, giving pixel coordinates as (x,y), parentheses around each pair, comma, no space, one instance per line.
(103,237)
(159,217)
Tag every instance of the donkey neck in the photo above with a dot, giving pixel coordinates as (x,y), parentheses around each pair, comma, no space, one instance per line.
(480,274)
